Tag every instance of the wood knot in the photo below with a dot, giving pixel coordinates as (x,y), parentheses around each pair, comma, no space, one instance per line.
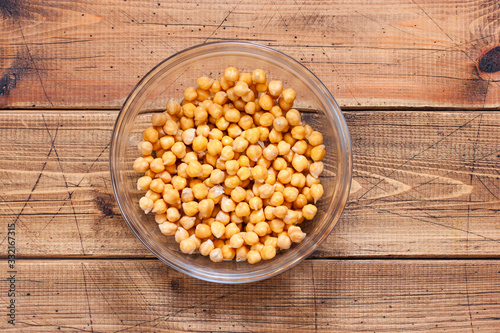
(104,206)
(490,61)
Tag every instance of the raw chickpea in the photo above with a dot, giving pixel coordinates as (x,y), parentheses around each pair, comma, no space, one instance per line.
(252,135)
(254,152)
(207,170)
(231,229)
(284,176)
(275,136)
(241,253)
(215,110)
(194,181)
(203,231)
(242,209)
(232,115)
(259,173)
(266,191)
(276,199)
(241,88)
(187,222)
(243,173)
(240,144)
(257,216)
(165,176)
(231,74)
(232,182)
(173,214)
(238,194)
(259,76)
(279,164)
(253,257)
(300,202)
(159,207)
(228,253)
(220,98)
(239,105)
(211,159)
(284,242)
(200,191)
(266,119)
(143,183)
(290,194)
(275,88)
(141,165)
(248,97)
(190,208)
(245,122)
(173,107)
(249,227)
(289,157)
(146,204)
(200,143)
(216,255)
(214,147)
(309,211)
(268,213)
(298,180)
(289,139)
(261,229)
(227,140)
(262,87)
(276,225)
(179,149)
(188,136)
(218,229)
(200,114)
(266,102)
(280,124)
(299,162)
(181,234)
(157,165)
(222,123)
(186,123)
(227,204)
(316,169)
(236,241)
(255,203)
(268,252)
(182,170)
(186,196)
(289,95)
(251,238)
(157,185)
(171,196)
(194,169)
(206,247)
(171,127)
(316,138)
(318,153)
(295,233)
(168,228)
(298,132)
(217,176)
(271,178)
(190,94)
(167,159)
(204,82)
(215,134)
(250,108)
(280,212)
(234,131)
(284,105)
(227,153)
(150,134)
(145,147)
(158,119)
(223,217)
(225,83)
(300,147)
(276,112)
(293,117)
(167,142)
(317,191)
(188,110)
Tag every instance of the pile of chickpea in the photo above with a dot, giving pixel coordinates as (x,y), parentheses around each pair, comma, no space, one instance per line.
(232,170)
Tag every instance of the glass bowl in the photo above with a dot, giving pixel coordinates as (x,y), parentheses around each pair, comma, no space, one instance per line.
(168,80)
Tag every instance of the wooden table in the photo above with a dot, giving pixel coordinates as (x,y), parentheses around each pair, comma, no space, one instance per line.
(417,248)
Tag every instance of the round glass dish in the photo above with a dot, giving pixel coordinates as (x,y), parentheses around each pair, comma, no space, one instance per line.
(168,80)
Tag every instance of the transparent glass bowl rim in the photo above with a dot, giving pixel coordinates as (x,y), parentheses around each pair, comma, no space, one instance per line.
(333,111)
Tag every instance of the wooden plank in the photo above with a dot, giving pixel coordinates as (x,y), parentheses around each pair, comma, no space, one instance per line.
(425,185)
(368,52)
(316,295)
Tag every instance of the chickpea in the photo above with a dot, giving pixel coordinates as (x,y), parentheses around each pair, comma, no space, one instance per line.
(238,194)
(215,88)
(187,222)
(266,119)
(203,231)
(143,183)
(232,182)
(152,195)
(316,169)
(141,164)
(227,204)
(262,87)
(266,102)
(243,173)
(276,225)
(298,180)
(241,253)
(222,123)
(200,143)
(234,131)
(190,208)
(179,149)
(254,152)
(231,74)
(290,194)
(295,233)
(206,247)
(248,97)
(216,255)
(231,229)
(317,192)
(204,82)
(289,95)
(268,252)
(225,83)
(173,107)
(261,229)
(284,176)
(275,88)
(194,169)
(293,117)
(251,238)
(200,191)
(257,216)
(227,153)
(223,217)
(173,214)
(298,132)
(276,199)
(150,134)
(242,209)
(145,147)
(280,212)
(259,173)
(300,147)
(240,144)
(299,162)
(255,203)
(190,94)
(218,229)
(300,202)
(250,107)
(157,185)
(241,88)
(236,241)
(259,76)
(318,153)
(253,257)
(146,204)
(284,242)
(252,135)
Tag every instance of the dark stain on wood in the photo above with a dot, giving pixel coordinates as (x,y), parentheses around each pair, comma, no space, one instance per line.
(174,285)
(104,205)
(11,8)
(7,83)
(490,61)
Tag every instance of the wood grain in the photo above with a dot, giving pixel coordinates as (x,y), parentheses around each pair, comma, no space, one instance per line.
(369,53)
(425,184)
(316,295)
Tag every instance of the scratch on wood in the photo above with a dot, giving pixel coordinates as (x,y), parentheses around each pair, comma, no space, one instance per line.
(222,22)
(88,301)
